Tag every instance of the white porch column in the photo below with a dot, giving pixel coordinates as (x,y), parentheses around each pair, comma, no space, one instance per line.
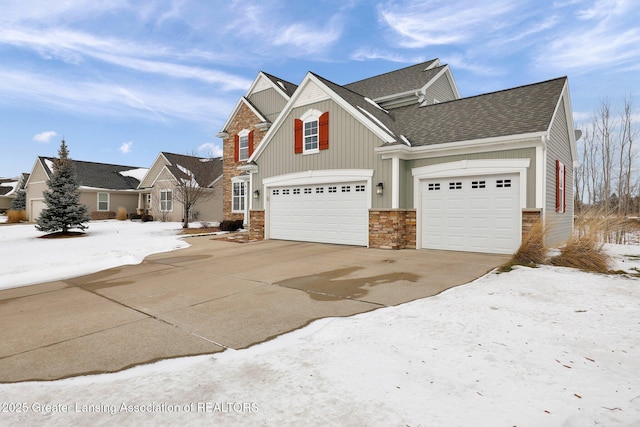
(395,182)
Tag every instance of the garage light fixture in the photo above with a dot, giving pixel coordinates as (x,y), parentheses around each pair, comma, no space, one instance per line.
(379,188)
(256,194)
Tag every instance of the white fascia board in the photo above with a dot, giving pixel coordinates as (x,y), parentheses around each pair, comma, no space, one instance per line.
(241,178)
(152,165)
(319,177)
(460,147)
(261,76)
(454,86)
(109,190)
(248,168)
(164,168)
(569,116)
(331,95)
(434,64)
(241,101)
(35,164)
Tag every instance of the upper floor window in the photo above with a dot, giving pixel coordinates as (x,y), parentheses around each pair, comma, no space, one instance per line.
(243,145)
(561,183)
(243,148)
(311,135)
(311,132)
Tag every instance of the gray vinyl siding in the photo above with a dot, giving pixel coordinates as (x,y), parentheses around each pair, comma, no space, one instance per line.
(440,90)
(269,102)
(351,146)
(406,184)
(558,225)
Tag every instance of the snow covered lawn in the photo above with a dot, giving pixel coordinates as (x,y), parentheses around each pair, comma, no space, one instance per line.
(533,347)
(26,259)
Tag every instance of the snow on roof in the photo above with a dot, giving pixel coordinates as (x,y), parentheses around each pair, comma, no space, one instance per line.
(49,164)
(375,104)
(138,173)
(188,173)
(378,122)
(405,140)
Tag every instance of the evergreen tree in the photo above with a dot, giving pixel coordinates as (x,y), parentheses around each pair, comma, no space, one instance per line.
(64,210)
(19,203)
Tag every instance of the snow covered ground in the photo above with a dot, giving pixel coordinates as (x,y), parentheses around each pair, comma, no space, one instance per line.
(26,259)
(533,347)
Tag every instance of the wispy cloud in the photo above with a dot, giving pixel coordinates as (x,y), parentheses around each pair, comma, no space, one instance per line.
(125,147)
(369,53)
(440,22)
(44,136)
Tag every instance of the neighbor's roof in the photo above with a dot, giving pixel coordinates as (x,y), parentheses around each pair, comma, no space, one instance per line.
(205,170)
(98,175)
(398,81)
(516,111)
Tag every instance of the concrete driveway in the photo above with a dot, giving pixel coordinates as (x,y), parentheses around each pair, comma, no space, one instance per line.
(211,296)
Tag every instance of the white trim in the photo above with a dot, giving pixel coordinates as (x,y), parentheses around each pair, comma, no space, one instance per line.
(245,186)
(366,121)
(98,201)
(467,168)
(244,133)
(501,143)
(395,183)
(540,162)
(165,190)
(313,177)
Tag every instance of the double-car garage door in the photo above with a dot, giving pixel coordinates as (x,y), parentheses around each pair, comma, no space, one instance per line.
(469,213)
(326,213)
(477,214)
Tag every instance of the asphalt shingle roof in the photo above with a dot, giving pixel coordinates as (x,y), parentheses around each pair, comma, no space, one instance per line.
(394,82)
(286,86)
(206,170)
(519,110)
(99,175)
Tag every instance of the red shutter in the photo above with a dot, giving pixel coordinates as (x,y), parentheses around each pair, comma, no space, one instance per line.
(557,185)
(564,191)
(236,149)
(250,143)
(297,136)
(323,137)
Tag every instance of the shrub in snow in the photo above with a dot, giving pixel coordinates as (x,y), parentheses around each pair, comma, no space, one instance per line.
(14,217)
(231,225)
(64,210)
(122,214)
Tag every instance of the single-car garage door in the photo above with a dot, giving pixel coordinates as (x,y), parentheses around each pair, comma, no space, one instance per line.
(36,207)
(476,214)
(325,213)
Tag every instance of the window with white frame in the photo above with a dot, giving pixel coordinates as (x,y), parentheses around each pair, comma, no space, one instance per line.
(103,201)
(311,135)
(166,200)
(237,202)
(561,181)
(243,147)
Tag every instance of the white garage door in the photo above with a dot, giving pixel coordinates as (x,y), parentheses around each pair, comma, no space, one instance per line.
(476,214)
(328,213)
(36,207)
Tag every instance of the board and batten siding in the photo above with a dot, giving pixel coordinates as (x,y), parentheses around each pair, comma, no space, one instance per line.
(406,196)
(269,102)
(558,225)
(440,90)
(351,146)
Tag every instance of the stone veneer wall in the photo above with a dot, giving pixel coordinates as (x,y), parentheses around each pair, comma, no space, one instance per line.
(529,218)
(392,229)
(244,119)
(256,225)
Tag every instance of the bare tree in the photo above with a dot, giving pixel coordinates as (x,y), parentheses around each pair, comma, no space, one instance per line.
(194,178)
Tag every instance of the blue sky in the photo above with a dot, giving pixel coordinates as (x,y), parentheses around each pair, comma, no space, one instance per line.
(122,80)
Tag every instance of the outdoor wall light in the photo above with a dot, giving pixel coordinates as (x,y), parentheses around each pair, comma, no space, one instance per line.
(256,194)
(379,188)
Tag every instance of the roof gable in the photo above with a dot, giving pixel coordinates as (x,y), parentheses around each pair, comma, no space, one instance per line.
(205,170)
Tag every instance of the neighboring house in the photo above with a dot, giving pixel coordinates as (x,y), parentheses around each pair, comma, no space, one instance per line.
(103,187)
(242,133)
(8,189)
(401,161)
(162,188)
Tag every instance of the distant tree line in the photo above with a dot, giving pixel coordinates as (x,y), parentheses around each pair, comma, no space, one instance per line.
(608,177)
